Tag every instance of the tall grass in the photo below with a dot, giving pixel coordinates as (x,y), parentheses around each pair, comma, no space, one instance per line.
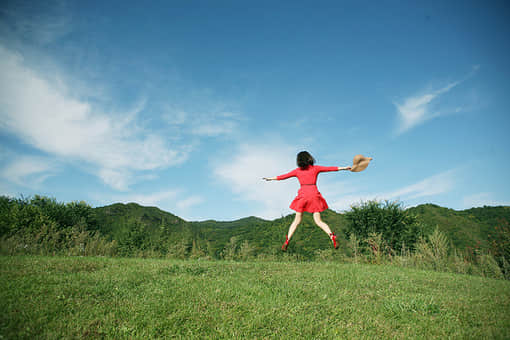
(432,253)
(52,241)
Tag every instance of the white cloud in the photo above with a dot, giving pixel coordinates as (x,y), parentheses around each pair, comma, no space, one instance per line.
(44,116)
(28,171)
(215,123)
(213,129)
(431,186)
(202,120)
(417,109)
(243,173)
(152,199)
(189,202)
(481,199)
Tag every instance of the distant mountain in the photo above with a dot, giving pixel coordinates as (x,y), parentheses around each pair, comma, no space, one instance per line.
(132,221)
(465,228)
(117,220)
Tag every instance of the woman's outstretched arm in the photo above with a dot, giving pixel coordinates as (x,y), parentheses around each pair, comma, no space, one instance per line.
(279,178)
(331,168)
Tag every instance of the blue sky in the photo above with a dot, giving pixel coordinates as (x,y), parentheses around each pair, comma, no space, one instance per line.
(185,105)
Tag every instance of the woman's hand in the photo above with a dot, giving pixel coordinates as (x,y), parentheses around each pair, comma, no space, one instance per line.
(269,178)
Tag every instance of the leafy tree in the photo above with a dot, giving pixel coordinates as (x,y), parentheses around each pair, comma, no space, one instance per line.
(395,225)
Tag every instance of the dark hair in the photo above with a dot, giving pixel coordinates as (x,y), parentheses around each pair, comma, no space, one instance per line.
(304,159)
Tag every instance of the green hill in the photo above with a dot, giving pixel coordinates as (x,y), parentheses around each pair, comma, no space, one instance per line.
(112,219)
(43,225)
(465,228)
(119,221)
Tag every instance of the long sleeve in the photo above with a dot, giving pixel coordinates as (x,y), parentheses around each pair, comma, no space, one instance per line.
(287,175)
(326,168)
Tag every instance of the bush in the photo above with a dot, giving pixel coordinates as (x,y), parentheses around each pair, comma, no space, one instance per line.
(432,252)
(395,225)
(354,246)
(376,247)
(499,240)
(489,267)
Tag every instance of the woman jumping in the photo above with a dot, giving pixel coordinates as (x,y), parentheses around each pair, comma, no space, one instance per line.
(309,199)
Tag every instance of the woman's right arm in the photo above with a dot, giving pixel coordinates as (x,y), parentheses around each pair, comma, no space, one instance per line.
(279,178)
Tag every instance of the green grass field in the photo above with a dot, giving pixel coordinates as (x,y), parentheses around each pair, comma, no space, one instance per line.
(71,297)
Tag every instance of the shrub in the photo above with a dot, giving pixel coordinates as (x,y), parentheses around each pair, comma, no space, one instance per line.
(246,251)
(432,252)
(376,247)
(499,240)
(395,225)
(354,246)
(230,250)
(489,267)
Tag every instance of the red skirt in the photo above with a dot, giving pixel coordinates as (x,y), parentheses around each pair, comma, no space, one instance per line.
(309,200)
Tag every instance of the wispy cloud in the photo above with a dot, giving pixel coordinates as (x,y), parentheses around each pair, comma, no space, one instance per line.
(37,22)
(431,186)
(28,171)
(242,173)
(202,120)
(215,128)
(152,199)
(175,201)
(480,199)
(49,119)
(189,202)
(417,109)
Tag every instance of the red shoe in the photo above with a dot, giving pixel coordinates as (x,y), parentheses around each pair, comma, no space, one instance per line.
(286,244)
(333,238)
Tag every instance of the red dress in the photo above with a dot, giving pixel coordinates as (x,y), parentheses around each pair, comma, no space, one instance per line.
(309,199)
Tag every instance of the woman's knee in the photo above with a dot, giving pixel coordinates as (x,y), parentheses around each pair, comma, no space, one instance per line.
(297,218)
(317,218)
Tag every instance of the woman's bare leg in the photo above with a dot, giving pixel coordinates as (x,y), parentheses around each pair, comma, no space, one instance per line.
(294,225)
(320,223)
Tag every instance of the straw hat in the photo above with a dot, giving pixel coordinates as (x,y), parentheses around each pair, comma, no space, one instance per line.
(360,163)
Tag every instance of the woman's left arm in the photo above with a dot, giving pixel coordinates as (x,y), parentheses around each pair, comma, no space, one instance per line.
(331,168)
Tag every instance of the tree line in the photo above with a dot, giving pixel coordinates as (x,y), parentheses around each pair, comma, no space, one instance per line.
(371,232)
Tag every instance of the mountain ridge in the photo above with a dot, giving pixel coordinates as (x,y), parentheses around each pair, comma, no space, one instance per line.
(464,228)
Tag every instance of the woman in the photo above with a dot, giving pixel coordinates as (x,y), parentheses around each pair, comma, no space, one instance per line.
(309,198)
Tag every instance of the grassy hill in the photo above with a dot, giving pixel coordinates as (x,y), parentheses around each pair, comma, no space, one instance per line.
(41,225)
(87,297)
(466,228)
(118,220)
